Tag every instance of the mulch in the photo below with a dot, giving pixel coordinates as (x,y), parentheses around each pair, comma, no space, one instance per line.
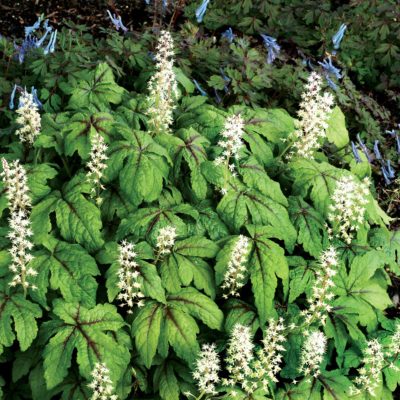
(16,14)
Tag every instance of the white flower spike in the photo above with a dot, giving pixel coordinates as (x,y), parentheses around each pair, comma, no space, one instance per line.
(28,119)
(163,88)
(16,183)
(314,113)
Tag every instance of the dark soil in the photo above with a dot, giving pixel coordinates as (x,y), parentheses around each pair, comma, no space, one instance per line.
(15,14)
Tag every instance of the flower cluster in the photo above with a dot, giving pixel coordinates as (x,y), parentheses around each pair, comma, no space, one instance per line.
(231,143)
(101,384)
(207,367)
(117,22)
(128,274)
(330,71)
(269,357)
(28,118)
(16,183)
(313,115)
(272,46)
(32,42)
(338,36)
(166,240)
(97,165)
(369,374)
(349,202)
(239,359)
(321,291)
(162,86)
(235,274)
(201,11)
(312,353)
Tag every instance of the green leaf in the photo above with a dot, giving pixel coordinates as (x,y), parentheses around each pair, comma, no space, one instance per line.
(146,222)
(86,330)
(200,306)
(206,119)
(100,89)
(209,222)
(38,176)
(301,279)
(267,263)
(309,224)
(145,167)
(193,152)
(184,80)
(72,272)
(241,206)
(166,382)
(389,242)
(196,246)
(146,330)
(362,290)
(319,179)
(77,218)
(24,314)
(254,176)
(273,124)
(337,132)
(81,128)
(184,265)
(239,312)
(181,331)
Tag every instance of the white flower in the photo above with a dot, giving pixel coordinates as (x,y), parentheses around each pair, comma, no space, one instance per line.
(97,165)
(321,291)
(162,85)
(312,353)
(207,367)
(101,384)
(349,201)
(28,119)
(128,274)
(313,116)
(166,239)
(236,272)
(16,184)
(239,359)
(232,141)
(269,357)
(369,374)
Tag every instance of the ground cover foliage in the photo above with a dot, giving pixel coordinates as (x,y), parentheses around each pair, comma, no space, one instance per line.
(157,243)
